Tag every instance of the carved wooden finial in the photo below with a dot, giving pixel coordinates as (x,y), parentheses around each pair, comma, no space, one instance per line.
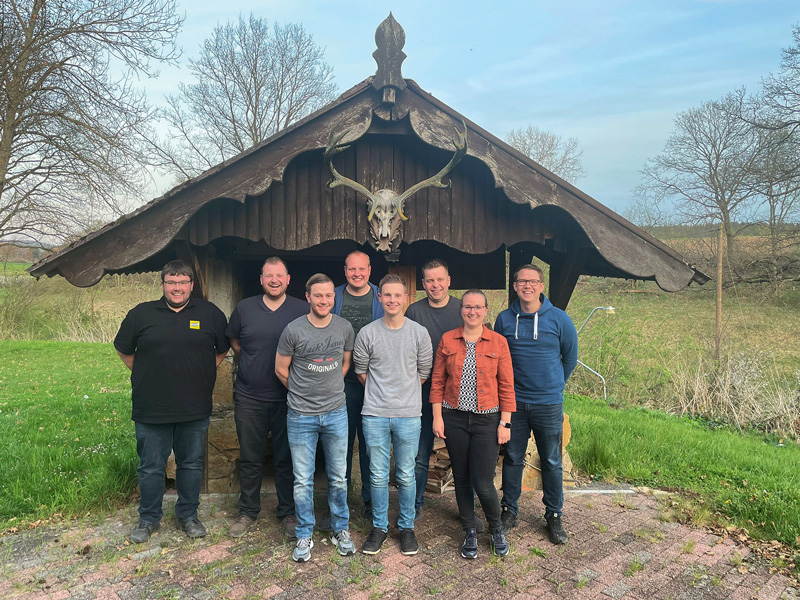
(390,39)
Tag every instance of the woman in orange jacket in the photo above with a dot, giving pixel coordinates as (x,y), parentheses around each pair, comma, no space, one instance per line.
(472,393)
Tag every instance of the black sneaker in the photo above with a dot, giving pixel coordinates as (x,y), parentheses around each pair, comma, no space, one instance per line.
(143,532)
(555,530)
(509,519)
(374,541)
(499,544)
(469,549)
(408,542)
(193,527)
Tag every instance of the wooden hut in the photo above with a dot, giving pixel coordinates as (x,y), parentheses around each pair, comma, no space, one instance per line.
(480,204)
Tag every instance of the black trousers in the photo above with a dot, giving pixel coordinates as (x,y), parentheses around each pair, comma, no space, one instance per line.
(471,441)
(254,420)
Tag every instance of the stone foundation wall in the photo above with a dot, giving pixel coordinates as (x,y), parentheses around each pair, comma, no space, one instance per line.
(222,452)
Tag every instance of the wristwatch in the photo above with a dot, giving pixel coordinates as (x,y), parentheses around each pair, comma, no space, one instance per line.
(504,424)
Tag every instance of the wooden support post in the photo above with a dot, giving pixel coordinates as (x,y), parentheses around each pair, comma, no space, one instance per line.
(565,269)
(186,252)
(409,274)
(517,256)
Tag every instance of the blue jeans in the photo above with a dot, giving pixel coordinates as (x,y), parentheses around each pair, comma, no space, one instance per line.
(254,420)
(546,423)
(330,429)
(425,446)
(153,445)
(354,392)
(382,434)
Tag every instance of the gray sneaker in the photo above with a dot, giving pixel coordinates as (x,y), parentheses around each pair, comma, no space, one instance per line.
(344,545)
(302,550)
(240,526)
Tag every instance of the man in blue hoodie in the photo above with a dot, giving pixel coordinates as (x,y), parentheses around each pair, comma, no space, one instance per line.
(544,351)
(357,301)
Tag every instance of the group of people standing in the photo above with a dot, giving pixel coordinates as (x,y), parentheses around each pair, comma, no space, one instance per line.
(351,363)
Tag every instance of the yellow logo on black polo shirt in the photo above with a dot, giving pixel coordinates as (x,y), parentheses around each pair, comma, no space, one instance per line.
(194,324)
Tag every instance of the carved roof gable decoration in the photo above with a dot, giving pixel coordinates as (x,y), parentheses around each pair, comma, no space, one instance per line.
(390,39)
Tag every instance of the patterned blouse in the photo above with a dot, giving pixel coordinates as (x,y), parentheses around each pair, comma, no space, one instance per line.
(468,395)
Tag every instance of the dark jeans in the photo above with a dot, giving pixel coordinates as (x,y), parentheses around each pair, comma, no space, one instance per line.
(354,392)
(546,423)
(153,445)
(254,420)
(472,444)
(426,438)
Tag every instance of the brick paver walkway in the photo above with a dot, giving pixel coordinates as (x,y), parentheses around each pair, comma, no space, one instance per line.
(620,546)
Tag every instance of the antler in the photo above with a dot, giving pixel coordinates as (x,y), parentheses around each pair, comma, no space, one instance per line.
(333,148)
(436,181)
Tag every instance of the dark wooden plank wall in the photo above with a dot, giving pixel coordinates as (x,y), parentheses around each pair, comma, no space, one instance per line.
(301,211)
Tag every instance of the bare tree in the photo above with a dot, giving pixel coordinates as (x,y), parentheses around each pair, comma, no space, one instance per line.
(561,156)
(781,91)
(647,210)
(250,81)
(71,116)
(777,180)
(707,166)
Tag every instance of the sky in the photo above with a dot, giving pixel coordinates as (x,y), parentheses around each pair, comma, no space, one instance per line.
(612,73)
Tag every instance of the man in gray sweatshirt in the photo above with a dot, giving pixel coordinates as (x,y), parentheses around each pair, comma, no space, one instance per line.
(392,357)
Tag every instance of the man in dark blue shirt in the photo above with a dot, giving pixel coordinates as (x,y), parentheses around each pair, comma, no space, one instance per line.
(173,347)
(260,398)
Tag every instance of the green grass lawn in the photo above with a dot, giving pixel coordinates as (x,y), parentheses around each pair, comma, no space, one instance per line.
(67,443)
(751,479)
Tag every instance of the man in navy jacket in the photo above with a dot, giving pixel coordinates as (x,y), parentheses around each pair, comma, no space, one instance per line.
(544,351)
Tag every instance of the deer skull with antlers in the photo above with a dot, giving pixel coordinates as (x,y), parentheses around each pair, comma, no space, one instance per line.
(386,206)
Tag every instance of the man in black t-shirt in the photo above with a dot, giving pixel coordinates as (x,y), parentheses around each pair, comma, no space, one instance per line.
(439,313)
(357,301)
(260,398)
(173,347)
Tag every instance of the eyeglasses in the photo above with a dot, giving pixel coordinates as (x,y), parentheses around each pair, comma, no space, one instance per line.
(171,283)
(526,282)
(469,309)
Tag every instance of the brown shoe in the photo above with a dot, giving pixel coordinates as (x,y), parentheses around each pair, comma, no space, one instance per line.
(240,526)
(289,523)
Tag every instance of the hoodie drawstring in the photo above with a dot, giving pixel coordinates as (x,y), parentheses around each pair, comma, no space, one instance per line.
(535,327)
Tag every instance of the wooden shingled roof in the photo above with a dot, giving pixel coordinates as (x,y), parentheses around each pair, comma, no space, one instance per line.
(622,249)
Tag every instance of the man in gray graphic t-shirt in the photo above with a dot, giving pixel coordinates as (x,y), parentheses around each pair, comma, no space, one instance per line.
(314,353)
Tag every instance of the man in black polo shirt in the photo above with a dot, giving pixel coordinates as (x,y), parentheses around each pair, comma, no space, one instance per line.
(260,398)
(173,347)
